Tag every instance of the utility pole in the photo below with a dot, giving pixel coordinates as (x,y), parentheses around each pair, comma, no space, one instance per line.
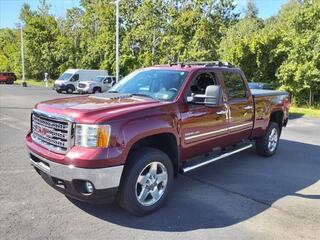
(24,83)
(117,40)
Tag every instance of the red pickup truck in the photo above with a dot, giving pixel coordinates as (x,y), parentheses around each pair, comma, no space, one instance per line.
(7,77)
(132,141)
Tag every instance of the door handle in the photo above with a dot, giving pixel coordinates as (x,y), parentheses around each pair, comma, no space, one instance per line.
(222,112)
(247,107)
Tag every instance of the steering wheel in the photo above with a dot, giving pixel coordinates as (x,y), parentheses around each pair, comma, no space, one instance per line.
(173,90)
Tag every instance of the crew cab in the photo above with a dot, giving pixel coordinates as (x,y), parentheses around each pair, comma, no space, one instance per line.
(99,84)
(132,141)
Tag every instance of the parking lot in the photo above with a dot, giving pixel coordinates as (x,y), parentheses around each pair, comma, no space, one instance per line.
(242,197)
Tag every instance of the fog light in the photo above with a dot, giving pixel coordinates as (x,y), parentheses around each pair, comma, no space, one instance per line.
(89,187)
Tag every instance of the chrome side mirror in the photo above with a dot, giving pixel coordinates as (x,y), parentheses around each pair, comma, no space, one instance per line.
(212,96)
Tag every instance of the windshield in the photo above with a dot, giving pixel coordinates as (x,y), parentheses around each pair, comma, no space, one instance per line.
(65,76)
(163,85)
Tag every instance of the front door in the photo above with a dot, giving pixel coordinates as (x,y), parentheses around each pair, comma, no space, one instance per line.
(240,102)
(202,126)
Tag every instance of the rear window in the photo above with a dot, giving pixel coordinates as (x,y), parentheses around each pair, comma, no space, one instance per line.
(234,85)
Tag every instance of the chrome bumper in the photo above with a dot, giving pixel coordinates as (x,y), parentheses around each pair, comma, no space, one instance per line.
(102,178)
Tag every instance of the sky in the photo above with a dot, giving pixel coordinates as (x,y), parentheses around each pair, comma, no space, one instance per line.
(10,9)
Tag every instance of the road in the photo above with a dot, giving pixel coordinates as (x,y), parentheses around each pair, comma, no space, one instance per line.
(242,197)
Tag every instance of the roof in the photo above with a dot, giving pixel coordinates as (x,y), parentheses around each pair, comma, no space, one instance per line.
(190,66)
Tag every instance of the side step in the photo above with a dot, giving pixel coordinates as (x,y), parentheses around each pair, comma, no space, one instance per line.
(223,155)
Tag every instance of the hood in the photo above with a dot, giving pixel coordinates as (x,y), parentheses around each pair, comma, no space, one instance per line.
(87,82)
(59,82)
(89,109)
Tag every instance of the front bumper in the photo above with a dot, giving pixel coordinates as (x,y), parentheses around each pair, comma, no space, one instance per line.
(84,90)
(60,87)
(70,180)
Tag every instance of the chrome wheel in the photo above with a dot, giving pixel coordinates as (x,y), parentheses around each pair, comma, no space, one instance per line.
(273,140)
(151,183)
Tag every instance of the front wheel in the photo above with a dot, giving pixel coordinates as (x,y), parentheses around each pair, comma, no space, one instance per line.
(146,182)
(96,90)
(268,144)
(69,90)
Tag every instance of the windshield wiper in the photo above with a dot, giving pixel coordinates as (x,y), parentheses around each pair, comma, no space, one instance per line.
(113,91)
(141,95)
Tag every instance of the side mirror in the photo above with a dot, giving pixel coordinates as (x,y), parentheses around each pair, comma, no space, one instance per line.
(212,96)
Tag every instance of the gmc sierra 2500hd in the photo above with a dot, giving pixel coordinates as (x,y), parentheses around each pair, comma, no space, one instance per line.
(156,122)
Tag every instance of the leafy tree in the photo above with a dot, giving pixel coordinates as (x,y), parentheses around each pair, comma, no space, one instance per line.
(282,50)
(251,9)
(242,46)
(300,72)
(41,33)
(10,57)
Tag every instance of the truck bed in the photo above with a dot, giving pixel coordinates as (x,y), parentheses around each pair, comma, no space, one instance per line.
(266,93)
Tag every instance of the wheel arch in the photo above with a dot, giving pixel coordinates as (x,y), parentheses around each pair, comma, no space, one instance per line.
(97,88)
(71,86)
(165,142)
(277,117)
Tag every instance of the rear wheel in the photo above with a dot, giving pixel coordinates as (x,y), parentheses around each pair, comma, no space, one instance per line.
(146,182)
(268,144)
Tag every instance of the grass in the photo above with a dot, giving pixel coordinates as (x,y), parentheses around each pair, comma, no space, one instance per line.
(311,112)
(36,83)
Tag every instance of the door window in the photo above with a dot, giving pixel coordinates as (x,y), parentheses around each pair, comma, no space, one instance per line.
(75,77)
(200,83)
(234,84)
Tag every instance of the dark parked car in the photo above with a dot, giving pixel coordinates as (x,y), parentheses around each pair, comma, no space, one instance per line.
(7,77)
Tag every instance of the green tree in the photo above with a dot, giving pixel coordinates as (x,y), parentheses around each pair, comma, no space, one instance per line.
(300,72)
(10,51)
(41,33)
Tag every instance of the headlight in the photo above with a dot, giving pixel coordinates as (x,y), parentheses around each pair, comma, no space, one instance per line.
(88,135)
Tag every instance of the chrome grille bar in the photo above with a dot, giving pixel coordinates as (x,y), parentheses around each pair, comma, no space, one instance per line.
(52,131)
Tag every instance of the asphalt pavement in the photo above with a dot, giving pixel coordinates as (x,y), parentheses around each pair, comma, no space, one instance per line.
(242,197)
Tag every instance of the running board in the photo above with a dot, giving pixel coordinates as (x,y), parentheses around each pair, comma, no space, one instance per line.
(192,167)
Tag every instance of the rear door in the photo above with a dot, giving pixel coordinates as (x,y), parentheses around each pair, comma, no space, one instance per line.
(240,104)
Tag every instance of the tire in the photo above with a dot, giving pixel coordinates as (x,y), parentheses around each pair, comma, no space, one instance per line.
(148,194)
(268,144)
(96,90)
(69,90)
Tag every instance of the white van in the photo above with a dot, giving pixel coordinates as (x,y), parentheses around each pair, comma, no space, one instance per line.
(68,81)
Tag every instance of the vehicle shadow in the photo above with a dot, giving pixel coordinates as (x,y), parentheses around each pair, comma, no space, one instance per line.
(295,115)
(226,192)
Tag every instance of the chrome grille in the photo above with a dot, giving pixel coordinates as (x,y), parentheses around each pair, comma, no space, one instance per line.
(52,132)
(82,85)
